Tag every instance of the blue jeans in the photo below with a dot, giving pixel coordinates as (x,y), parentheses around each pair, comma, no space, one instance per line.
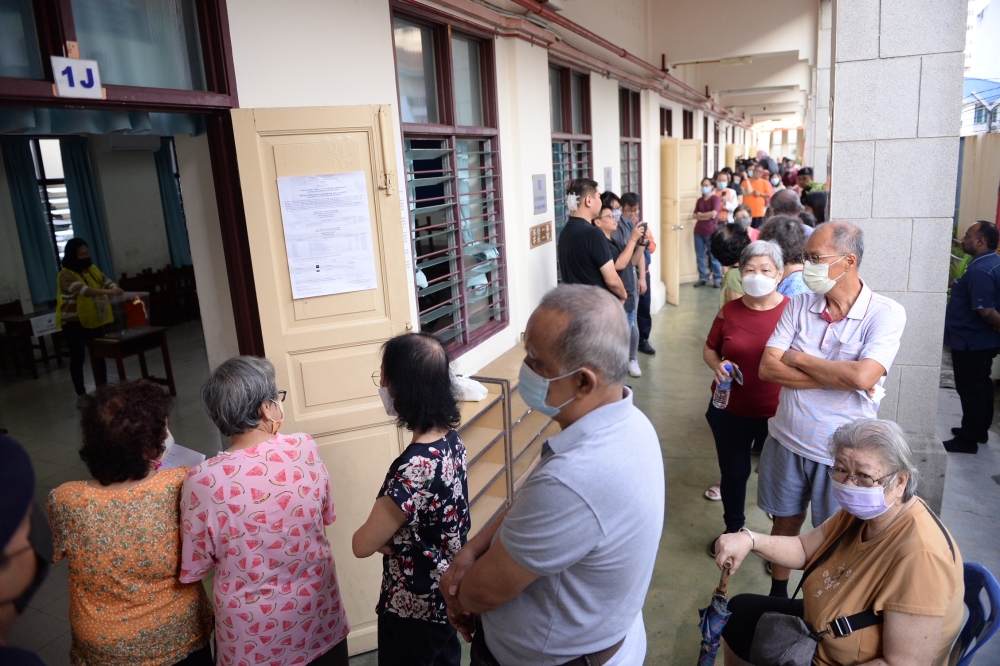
(703,246)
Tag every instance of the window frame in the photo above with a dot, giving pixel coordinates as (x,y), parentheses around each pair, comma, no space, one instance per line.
(56,33)
(43,191)
(444,28)
(570,141)
(630,135)
(688,124)
(666,122)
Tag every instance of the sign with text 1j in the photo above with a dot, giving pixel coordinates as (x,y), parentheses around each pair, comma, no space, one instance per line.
(77,78)
(538,193)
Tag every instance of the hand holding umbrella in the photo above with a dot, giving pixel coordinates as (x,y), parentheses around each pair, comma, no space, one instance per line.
(714,618)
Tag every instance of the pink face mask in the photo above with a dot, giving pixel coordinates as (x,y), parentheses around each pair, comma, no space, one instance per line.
(865,503)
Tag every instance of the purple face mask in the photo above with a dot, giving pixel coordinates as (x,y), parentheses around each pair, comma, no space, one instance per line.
(865,503)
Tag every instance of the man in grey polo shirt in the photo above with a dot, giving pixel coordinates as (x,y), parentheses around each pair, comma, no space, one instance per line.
(561,577)
(830,353)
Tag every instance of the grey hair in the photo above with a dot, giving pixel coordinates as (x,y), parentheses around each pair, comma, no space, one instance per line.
(848,239)
(762,248)
(884,438)
(597,336)
(234,392)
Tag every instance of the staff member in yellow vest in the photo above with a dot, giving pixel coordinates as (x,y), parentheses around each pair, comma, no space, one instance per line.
(82,311)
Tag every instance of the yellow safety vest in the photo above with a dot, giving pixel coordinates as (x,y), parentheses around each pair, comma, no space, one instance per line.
(93,312)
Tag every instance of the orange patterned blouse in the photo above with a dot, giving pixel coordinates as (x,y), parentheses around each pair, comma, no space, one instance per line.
(127,605)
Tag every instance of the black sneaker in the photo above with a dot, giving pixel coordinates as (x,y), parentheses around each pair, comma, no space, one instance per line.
(646,348)
(717,285)
(955,431)
(711,547)
(699,283)
(959,445)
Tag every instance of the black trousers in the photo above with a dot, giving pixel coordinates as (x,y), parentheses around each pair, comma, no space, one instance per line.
(746,610)
(975,390)
(335,656)
(403,641)
(757,222)
(76,339)
(202,657)
(734,437)
(643,318)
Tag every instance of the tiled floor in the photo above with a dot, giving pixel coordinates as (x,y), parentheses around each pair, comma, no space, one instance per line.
(673,392)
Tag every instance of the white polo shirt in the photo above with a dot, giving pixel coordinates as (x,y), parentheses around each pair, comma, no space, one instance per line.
(807,418)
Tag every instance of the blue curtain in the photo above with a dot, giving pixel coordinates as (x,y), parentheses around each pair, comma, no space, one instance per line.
(85,201)
(173,211)
(32,226)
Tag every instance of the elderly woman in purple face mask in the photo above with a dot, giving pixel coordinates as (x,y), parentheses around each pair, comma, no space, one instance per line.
(860,564)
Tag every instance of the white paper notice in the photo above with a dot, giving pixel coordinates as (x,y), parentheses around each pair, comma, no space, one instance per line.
(328,233)
(181,456)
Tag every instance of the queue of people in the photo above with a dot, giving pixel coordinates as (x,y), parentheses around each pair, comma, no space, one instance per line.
(560,577)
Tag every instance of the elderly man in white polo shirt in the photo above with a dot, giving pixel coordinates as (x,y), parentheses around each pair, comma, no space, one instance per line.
(561,577)
(830,353)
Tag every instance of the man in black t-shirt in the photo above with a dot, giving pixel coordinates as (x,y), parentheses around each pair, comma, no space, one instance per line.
(584,255)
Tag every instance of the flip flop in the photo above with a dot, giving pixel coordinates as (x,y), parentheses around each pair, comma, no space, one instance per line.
(714,493)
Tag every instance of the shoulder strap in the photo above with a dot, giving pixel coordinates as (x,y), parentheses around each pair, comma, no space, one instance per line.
(822,558)
(937,521)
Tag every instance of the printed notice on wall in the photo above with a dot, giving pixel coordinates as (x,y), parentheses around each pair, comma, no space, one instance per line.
(328,233)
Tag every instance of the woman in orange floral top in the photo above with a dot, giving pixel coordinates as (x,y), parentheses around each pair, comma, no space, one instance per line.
(120,532)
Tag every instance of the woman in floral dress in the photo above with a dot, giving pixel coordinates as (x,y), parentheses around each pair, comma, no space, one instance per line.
(256,514)
(119,532)
(421,516)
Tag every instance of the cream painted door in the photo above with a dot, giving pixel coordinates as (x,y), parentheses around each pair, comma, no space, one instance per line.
(325,349)
(680,169)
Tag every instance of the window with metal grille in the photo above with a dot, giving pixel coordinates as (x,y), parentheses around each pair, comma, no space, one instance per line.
(52,190)
(569,103)
(451,150)
(630,146)
(666,122)
(688,119)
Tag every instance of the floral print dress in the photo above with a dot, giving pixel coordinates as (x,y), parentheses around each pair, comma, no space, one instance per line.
(126,605)
(428,483)
(257,517)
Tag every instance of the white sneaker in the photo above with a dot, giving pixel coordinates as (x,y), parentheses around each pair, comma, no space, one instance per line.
(633,369)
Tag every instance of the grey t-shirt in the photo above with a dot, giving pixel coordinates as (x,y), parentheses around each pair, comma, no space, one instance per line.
(588,521)
(619,239)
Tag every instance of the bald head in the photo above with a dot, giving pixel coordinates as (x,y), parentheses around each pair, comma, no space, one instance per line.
(786,202)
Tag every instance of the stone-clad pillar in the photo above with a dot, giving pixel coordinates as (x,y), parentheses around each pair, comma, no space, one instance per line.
(896,100)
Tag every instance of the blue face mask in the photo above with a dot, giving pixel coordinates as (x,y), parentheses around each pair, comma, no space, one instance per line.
(534,389)
(617,212)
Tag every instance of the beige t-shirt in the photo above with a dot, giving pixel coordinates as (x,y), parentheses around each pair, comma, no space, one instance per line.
(910,569)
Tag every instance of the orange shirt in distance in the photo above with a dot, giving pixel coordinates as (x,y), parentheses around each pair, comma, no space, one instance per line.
(757,204)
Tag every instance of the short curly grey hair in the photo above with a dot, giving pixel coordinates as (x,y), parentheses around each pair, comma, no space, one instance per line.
(762,248)
(235,391)
(884,438)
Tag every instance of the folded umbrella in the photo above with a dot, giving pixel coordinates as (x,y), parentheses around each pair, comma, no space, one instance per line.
(714,618)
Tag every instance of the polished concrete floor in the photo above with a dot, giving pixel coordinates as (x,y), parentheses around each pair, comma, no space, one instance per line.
(673,392)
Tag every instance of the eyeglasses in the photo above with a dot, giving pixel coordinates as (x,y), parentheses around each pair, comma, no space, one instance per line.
(281,395)
(377,378)
(840,475)
(814,258)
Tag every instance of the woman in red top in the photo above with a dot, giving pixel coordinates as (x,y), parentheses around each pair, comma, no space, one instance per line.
(738,337)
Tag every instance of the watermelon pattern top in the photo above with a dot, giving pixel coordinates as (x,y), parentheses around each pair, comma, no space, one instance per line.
(256,516)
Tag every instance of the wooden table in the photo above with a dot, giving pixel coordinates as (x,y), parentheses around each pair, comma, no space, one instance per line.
(133,342)
(19,333)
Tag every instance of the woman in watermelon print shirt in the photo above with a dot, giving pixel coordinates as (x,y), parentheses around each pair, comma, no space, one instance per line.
(256,515)
(421,516)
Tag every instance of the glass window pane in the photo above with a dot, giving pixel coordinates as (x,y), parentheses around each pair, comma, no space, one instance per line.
(577,90)
(154,43)
(481,247)
(622,111)
(555,98)
(19,56)
(51,158)
(468,86)
(416,73)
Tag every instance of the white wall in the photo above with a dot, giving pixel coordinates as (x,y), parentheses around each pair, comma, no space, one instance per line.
(133,212)
(13,280)
(207,253)
(606,130)
(651,188)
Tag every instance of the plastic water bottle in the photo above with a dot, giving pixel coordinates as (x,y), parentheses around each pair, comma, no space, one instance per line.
(721,397)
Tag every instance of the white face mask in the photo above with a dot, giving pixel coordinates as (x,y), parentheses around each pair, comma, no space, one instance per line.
(817,276)
(390,408)
(775,181)
(759,286)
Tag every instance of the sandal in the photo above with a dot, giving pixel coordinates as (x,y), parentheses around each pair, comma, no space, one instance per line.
(714,493)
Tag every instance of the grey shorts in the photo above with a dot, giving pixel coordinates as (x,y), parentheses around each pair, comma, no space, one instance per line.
(788,483)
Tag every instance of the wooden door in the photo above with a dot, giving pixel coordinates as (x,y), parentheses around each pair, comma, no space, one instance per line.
(680,173)
(326,348)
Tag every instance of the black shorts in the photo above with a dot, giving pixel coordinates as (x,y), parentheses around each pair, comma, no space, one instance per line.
(746,610)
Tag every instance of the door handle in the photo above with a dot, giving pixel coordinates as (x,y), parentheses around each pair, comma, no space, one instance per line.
(677,228)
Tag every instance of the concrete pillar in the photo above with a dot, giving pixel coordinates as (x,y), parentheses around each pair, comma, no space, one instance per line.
(896,100)
(818,114)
